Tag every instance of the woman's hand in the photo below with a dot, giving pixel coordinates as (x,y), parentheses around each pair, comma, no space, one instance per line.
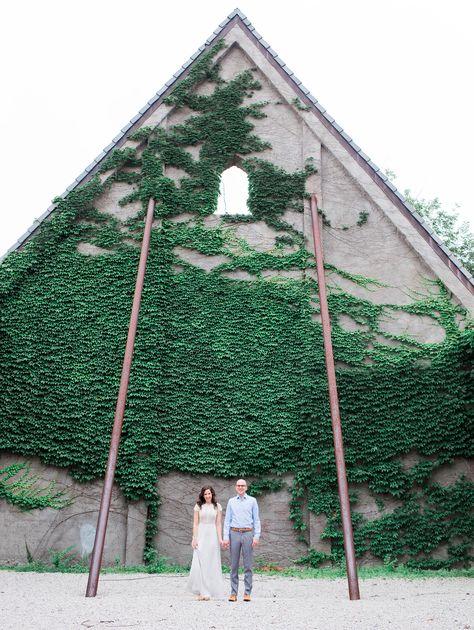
(194,543)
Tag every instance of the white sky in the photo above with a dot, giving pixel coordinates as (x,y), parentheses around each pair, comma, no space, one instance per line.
(397,75)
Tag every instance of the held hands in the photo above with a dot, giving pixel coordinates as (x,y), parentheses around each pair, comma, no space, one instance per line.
(225,544)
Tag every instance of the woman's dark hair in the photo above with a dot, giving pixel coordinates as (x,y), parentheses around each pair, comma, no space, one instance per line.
(201,500)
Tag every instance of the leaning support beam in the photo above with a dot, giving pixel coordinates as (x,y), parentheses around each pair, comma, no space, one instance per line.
(96,558)
(334,404)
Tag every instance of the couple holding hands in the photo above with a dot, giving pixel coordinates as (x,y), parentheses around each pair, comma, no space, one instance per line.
(241,534)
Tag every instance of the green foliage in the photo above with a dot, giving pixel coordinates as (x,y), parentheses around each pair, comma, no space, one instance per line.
(119,157)
(60,561)
(314,558)
(363,218)
(161,566)
(272,191)
(458,237)
(204,70)
(299,105)
(23,490)
(65,559)
(228,376)
(260,486)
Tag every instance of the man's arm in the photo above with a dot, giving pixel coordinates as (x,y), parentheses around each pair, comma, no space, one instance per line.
(257,528)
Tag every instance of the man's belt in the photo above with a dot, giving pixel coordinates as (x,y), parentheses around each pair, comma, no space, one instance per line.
(242,529)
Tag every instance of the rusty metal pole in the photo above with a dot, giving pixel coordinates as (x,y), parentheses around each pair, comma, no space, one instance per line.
(96,558)
(334,404)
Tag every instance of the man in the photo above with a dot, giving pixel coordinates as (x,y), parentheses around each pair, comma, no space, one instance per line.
(242,533)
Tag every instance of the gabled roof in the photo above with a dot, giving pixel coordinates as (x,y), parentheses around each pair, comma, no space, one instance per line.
(375,173)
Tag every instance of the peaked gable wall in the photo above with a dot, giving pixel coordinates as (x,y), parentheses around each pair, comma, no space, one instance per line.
(228,376)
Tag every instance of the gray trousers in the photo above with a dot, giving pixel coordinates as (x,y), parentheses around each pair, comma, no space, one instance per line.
(241,542)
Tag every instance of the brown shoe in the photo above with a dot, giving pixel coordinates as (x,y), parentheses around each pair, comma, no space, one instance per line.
(232,598)
(247,598)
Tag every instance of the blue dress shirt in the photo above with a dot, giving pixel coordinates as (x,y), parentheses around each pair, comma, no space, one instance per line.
(242,512)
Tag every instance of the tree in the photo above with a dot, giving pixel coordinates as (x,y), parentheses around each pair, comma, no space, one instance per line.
(445,223)
(457,236)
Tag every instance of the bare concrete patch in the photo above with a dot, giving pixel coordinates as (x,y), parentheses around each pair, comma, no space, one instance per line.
(450,473)
(213,220)
(258,235)
(182,218)
(461,321)
(371,292)
(92,250)
(342,365)
(317,523)
(350,324)
(232,61)
(285,250)
(387,341)
(176,174)
(200,260)
(194,150)
(344,201)
(131,242)
(205,89)
(294,218)
(178,115)
(420,327)
(445,475)
(108,202)
(283,274)
(238,274)
(367,505)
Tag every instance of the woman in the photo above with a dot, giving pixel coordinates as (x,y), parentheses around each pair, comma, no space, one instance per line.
(205,579)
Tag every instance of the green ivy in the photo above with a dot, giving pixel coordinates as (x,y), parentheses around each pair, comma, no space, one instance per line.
(299,105)
(363,218)
(19,487)
(228,375)
(260,486)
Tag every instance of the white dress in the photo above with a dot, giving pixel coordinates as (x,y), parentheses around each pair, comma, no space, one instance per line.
(205,578)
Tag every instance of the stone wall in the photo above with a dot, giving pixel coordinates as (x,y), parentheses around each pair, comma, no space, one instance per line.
(41,532)
(179,493)
(46,531)
(385,247)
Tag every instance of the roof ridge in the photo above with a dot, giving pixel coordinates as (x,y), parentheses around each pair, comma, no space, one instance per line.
(378,174)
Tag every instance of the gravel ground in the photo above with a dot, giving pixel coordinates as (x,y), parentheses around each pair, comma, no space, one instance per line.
(54,601)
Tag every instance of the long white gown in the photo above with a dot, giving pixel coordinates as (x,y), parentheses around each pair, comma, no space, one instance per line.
(205,578)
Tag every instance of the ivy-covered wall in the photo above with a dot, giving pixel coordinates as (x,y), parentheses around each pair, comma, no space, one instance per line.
(228,376)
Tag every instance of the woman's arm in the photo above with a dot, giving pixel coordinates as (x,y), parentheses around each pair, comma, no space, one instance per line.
(219,526)
(194,542)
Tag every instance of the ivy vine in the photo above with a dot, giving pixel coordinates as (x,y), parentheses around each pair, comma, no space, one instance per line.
(228,376)
(19,487)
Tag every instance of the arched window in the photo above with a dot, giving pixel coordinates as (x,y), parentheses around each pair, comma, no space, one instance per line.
(233,192)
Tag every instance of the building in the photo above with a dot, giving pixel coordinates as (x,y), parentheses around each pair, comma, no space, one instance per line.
(228,377)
